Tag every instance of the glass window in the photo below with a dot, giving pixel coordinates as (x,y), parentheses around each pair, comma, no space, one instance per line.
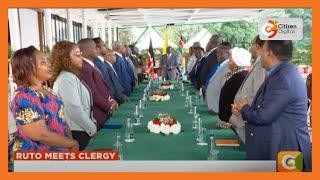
(77,31)
(59,28)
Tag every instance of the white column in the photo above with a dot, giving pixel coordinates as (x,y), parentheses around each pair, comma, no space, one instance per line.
(95,29)
(103,31)
(115,37)
(84,25)
(14,27)
(109,34)
(48,28)
(69,25)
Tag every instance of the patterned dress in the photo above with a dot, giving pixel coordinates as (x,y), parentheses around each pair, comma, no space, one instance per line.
(29,106)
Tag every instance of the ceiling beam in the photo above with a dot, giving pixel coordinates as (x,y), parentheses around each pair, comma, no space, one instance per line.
(195,12)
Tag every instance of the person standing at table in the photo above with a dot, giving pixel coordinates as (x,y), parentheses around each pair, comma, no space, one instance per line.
(192,59)
(108,72)
(110,59)
(38,112)
(217,81)
(133,74)
(309,95)
(199,54)
(277,118)
(138,64)
(250,85)
(209,61)
(220,58)
(103,104)
(122,68)
(238,64)
(66,63)
(169,64)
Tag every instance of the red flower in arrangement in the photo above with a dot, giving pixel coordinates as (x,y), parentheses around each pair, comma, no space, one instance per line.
(171,123)
(165,124)
(166,83)
(157,121)
(159,92)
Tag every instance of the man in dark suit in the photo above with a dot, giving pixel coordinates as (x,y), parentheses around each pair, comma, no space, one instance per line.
(134,56)
(122,68)
(103,104)
(108,72)
(132,72)
(199,55)
(277,118)
(209,62)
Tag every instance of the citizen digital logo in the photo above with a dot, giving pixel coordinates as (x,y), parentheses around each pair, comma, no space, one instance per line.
(287,28)
(281,29)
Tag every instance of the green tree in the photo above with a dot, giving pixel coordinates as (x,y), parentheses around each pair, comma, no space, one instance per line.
(241,33)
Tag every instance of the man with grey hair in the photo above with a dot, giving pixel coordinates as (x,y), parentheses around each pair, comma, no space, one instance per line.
(122,68)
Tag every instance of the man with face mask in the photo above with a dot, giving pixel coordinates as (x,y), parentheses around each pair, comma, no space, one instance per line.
(250,85)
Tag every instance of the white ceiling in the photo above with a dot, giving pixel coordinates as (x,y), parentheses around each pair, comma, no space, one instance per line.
(162,16)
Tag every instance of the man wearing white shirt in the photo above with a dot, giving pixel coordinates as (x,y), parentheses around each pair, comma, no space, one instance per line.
(193,58)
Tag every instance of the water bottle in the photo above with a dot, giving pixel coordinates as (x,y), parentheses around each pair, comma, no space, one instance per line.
(129,137)
(213,152)
(136,116)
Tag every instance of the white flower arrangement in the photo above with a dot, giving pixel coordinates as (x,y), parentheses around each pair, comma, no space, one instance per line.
(164,124)
(159,98)
(166,87)
(159,95)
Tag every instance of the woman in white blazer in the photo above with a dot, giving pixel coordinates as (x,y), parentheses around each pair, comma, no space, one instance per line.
(66,62)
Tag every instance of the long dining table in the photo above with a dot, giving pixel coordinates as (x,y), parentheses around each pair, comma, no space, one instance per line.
(151,146)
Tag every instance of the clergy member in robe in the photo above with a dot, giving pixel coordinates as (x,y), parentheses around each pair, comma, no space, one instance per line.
(222,51)
(250,85)
(217,81)
(238,65)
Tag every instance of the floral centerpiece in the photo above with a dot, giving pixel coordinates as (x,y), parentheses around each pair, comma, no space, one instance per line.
(166,85)
(159,95)
(165,124)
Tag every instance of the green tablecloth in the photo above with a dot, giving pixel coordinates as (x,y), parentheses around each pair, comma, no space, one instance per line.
(150,146)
